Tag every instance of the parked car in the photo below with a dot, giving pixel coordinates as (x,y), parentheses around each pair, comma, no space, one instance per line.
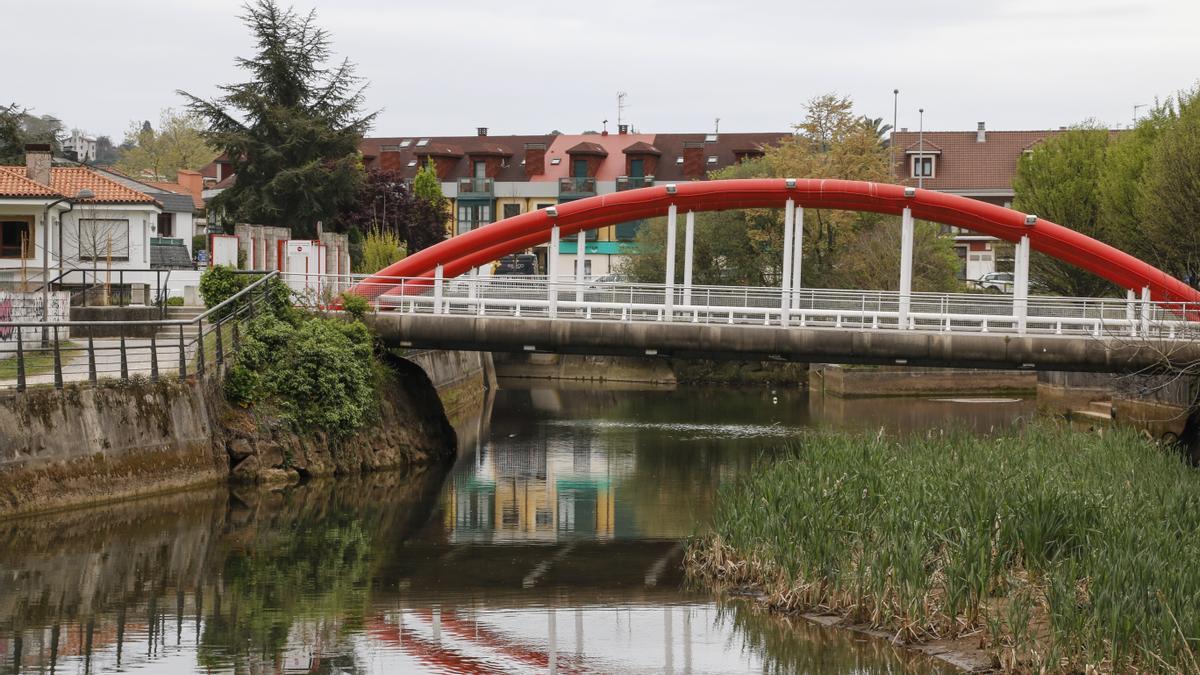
(995,282)
(517,264)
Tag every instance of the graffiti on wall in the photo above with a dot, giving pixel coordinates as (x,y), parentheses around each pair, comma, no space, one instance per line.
(27,307)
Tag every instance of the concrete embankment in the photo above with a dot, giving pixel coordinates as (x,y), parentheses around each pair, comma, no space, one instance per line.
(873,381)
(81,445)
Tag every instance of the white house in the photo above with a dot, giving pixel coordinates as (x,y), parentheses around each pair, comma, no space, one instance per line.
(90,239)
(84,147)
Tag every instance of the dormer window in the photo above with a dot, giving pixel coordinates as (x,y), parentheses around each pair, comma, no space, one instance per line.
(922,166)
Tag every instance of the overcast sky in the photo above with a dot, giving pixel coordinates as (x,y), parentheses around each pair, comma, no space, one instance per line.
(443,67)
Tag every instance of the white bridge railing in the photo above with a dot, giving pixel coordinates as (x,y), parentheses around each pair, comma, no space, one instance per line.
(526,296)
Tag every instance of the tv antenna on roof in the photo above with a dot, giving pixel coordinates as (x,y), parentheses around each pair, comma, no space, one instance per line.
(621,108)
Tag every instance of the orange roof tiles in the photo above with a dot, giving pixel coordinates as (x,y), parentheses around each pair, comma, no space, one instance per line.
(67,182)
(13,184)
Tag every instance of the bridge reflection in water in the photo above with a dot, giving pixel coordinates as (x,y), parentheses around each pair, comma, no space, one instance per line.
(552,545)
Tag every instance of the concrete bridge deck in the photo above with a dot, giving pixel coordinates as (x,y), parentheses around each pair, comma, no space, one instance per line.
(568,335)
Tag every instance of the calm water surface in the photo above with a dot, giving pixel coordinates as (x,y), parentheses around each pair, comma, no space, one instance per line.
(552,545)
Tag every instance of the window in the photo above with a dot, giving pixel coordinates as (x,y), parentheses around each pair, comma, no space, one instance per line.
(579,168)
(480,168)
(16,237)
(471,216)
(511,210)
(679,159)
(628,231)
(587,268)
(710,138)
(406,142)
(712,159)
(101,238)
(544,206)
(166,224)
(423,142)
(922,166)
(412,162)
(637,168)
(556,161)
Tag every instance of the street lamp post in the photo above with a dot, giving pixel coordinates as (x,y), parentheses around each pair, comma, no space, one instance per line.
(79,196)
(895,117)
(921,150)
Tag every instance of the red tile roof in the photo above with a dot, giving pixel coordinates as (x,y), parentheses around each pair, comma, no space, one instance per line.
(964,164)
(67,182)
(13,184)
(642,148)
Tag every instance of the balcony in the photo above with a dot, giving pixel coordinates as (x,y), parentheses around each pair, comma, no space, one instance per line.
(634,182)
(574,187)
(475,187)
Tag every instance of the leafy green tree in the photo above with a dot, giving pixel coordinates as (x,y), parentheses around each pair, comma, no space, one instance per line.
(380,249)
(178,143)
(107,154)
(1171,189)
(745,247)
(292,130)
(1059,181)
(18,127)
(426,184)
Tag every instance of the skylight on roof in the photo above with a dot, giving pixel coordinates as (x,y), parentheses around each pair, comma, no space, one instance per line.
(679,159)
(556,161)
(712,159)
(412,162)
(422,142)
(406,142)
(710,138)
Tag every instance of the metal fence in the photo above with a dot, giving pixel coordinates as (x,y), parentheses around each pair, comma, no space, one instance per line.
(87,351)
(531,296)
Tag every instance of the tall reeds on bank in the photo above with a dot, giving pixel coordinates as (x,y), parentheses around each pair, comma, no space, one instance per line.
(1059,550)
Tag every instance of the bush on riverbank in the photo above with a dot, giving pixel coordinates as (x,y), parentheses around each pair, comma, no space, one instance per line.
(1062,549)
(318,371)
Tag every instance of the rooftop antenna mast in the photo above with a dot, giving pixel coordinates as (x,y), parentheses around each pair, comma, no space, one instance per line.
(621,108)
(717,126)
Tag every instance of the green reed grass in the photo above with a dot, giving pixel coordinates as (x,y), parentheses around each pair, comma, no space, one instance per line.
(1061,549)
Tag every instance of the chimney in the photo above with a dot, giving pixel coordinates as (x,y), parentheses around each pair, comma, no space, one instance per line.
(192,181)
(622,129)
(482,131)
(37,163)
(535,159)
(981,133)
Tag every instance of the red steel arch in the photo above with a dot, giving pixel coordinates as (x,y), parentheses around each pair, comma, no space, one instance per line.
(511,235)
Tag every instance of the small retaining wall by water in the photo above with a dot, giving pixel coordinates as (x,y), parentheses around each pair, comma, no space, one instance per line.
(858,381)
(89,444)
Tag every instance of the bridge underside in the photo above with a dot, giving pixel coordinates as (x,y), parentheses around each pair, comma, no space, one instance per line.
(817,345)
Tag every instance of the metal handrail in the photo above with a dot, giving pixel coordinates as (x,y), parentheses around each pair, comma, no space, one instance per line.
(232,310)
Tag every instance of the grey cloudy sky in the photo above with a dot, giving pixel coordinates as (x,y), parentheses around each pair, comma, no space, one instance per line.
(529,66)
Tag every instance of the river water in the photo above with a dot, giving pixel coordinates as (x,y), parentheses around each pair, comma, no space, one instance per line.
(552,545)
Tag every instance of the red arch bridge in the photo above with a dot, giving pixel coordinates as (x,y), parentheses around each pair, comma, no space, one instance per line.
(422,300)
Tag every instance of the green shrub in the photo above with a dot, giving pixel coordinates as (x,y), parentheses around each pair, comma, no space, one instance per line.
(241,385)
(355,305)
(219,283)
(199,242)
(175,301)
(318,371)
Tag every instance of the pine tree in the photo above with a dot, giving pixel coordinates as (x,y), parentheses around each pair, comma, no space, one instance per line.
(292,131)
